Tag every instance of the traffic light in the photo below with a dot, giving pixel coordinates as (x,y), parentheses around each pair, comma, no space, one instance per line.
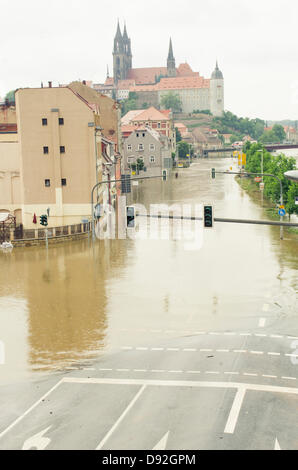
(44,220)
(208,216)
(213,173)
(130,217)
(125,184)
(164,175)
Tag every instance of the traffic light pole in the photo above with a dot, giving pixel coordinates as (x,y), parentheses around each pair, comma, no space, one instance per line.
(113,181)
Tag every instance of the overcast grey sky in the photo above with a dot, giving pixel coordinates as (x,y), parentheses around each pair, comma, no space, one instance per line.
(255,42)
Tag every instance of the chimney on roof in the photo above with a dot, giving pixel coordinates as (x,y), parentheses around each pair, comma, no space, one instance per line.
(50,84)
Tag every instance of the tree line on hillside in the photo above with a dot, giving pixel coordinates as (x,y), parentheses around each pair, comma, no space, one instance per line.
(275,165)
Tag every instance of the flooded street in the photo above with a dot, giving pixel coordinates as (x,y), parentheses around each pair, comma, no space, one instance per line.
(80,303)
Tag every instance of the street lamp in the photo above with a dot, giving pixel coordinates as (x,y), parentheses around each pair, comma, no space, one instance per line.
(292,175)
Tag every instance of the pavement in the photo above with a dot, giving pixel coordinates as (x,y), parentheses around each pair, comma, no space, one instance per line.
(179,389)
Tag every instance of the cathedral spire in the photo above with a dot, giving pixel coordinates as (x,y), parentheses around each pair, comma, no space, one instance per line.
(118,32)
(125,36)
(170,54)
(171,66)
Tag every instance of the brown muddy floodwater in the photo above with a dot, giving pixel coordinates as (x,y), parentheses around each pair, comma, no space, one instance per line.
(71,306)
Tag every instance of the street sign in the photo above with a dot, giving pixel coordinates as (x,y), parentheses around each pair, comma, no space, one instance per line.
(262,185)
(282,212)
(258,179)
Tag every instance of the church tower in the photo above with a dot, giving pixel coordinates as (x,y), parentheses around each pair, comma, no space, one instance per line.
(217,92)
(122,57)
(171,62)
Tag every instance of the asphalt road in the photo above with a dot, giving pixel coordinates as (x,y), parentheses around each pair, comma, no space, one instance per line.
(187,389)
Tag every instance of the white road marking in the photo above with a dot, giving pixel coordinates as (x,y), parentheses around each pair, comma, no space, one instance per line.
(206,350)
(120,419)
(105,370)
(250,374)
(172,349)
(140,370)
(289,378)
(276,336)
(240,351)
(89,368)
(235,410)
(211,372)
(157,349)
(142,349)
(157,370)
(30,409)
(270,376)
(256,352)
(37,442)
(273,354)
(162,444)
(276,445)
(193,372)
(181,383)
(262,322)
(231,373)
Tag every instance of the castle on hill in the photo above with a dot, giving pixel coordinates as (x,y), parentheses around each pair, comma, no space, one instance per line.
(151,83)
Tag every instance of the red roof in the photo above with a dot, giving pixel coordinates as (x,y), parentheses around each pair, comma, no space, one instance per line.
(146,75)
(151,114)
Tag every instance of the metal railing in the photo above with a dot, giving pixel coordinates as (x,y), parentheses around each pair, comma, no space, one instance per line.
(19,233)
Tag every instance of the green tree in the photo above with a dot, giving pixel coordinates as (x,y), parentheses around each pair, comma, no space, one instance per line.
(171,101)
(10,96)
(183,148)
(292,193)
(178,135)
(279,132)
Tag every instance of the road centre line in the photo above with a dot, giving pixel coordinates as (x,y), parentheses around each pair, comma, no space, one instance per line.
(120,419)
(237,351)
(211,333)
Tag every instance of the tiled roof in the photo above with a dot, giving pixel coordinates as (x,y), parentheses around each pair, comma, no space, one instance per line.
(151,114)
(175,83)
(146,75)
(128,117)
(184,70)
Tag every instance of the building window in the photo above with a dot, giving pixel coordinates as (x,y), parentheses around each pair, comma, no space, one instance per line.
(47,183)
(152,159)
(44,121)
(143,134)
(62,149)
(141,147)
(158,125)
(46,150)
(61,121)
(137,134)
(151,147)
(128,146)
(63,182)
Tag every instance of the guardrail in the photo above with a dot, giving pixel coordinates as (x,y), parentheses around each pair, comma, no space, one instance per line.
(19,234)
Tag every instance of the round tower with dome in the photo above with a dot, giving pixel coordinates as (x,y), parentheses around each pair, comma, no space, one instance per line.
(217,92)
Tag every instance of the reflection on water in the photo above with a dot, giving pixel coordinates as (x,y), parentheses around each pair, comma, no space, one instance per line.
(68,307)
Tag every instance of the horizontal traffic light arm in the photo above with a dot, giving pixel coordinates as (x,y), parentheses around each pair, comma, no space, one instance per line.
(217,219)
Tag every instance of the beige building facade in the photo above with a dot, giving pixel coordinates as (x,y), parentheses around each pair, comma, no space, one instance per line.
(60,154)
